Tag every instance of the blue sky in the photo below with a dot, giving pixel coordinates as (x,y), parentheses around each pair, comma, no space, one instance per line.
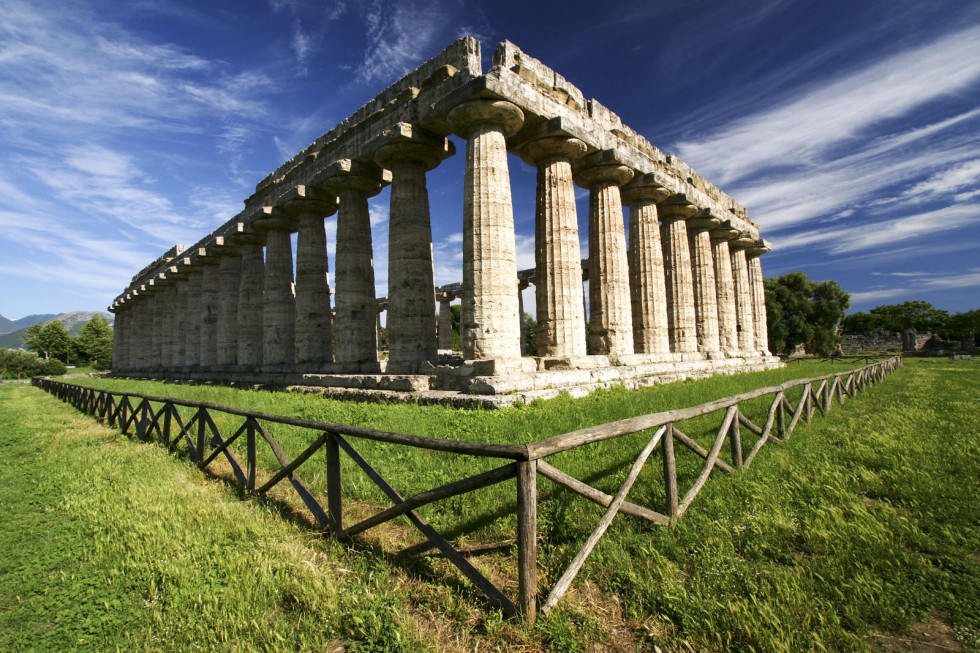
(850,130)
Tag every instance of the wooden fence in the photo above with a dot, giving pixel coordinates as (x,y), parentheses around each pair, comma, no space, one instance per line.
(160,419)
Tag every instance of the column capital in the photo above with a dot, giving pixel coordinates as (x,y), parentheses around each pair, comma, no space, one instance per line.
(644,188)
(242,233)
(407,143)
(348,174)
(465,117)
(744,240)
(703,220)
(759,247)
(724,231)
(676,206)
(300,200)
(602,168)
(552,146)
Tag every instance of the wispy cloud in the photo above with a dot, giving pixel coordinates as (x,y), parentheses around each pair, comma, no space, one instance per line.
(815,120)
(968,279)
(399,35)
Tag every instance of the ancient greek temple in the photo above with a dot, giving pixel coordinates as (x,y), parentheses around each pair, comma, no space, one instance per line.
(680,296)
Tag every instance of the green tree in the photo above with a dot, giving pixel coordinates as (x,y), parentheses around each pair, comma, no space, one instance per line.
(800,311)
(17,364)
(918,315)
(50,340)
(95,342)
(962,325)
(857,323)
(530,327)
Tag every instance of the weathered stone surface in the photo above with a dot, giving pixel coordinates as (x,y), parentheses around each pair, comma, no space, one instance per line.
(250,305)
(409,153)
(744,311)
(651,334)
(681,319)
(758,288)
(705,290)
(490,320)
(558,270)
(610,308)
(727,321)
(355,326)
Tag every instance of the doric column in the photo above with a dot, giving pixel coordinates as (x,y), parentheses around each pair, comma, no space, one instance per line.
(445,321)
(743,292)
(165,284)
(705,291)
(490,320)
(355,343)
(558,256)
(226,329)
(313,334)
(210,294)
(648,291)
(124,318)
(250,294)
(138,351)
(192,314)
(117,337)
(681,316)
(408,153)
(610,308)
(522,285)
(727,320)
(279,308)
(756,283)
(179,295)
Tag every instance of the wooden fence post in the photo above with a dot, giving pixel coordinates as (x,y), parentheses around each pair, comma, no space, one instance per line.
(250,454)
(334,502)
(670,473)
(527,539)
(735,441)
(201,430)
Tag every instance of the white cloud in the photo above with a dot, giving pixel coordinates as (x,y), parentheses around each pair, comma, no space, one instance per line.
(399,33)
(968,279)
(808,126)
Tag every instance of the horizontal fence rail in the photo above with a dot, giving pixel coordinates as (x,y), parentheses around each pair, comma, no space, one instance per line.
(190,426)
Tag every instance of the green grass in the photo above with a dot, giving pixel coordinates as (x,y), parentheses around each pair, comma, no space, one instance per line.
(863,523)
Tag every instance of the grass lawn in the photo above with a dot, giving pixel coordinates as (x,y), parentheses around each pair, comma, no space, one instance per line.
(859,527)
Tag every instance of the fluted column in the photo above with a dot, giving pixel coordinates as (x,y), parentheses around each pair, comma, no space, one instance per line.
(192,315)
(210,293)
(743,292)
(681,316)
(226,330)
(558,256)
(164,314)
(279,309)
(522,285)
(355,344)
(179,294)
(250,296)
(725,287)
(610,307)
(648,291)
(756,283)
(705,291)
(117,337)
(313,335)
(445,321)
(490,320)
(408,154)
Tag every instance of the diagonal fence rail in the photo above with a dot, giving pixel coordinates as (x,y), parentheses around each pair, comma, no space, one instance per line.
(191,427)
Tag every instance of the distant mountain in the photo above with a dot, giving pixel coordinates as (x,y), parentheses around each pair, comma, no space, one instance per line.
(25,322)
(9,326)
(73,322)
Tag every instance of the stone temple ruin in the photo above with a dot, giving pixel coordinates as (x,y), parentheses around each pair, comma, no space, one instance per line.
(682,298)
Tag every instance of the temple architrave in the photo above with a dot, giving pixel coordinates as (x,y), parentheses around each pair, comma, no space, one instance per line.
(677,295)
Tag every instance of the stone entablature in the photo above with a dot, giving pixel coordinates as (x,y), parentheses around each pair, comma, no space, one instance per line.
(686,287)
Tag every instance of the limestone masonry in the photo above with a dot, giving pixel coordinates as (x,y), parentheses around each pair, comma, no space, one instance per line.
(682,297)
